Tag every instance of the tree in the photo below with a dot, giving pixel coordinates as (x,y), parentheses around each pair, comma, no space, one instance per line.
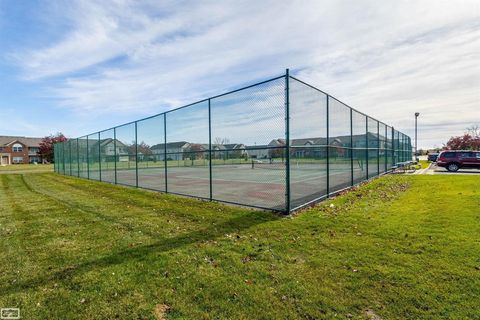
(474,130)
(469,141)
(220,141)
(144,148)
(46,146)
(196,150)
(465,142)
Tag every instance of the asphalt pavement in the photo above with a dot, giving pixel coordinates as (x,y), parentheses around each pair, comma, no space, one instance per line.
(434,169)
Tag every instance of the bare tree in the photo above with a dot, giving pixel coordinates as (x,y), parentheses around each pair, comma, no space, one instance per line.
(474,130)
(220,141)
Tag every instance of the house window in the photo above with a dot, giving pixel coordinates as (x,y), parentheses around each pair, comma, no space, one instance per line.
(17,147)
(17,159)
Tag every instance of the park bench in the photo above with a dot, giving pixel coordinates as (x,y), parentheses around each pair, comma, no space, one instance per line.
(404,167)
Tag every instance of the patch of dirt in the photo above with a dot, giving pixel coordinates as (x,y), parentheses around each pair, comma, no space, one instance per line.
(160,311)
(372,315)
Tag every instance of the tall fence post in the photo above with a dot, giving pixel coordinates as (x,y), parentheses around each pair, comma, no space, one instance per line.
(78,158)
(378,148)
(287,140)
(99,158)
(367,146)
(88,161)
(351,145)
(70,157)
(328,145)
(115,153)
(210,147)
(393,146)
(63,155)
(385,152)
(136,155)
(165,149)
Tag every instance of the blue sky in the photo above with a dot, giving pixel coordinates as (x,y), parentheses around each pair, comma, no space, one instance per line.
(82,66)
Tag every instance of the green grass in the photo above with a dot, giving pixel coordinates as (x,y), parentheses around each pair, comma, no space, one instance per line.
(23,168)
(76,249)
(424,164)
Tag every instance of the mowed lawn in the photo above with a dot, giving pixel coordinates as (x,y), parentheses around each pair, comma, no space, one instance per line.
(26,168)
(400,247)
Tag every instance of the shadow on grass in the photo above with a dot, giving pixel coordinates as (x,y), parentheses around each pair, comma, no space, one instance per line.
(245,221)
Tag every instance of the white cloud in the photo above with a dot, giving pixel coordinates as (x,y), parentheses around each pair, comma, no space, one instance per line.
(387,59)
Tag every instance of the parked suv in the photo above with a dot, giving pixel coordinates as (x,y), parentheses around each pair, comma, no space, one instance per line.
(455,159)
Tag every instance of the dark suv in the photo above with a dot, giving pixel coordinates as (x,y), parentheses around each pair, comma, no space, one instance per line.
(454,160)
(432,157)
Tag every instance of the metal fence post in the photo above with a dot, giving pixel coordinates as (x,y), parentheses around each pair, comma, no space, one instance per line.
(70,153)
(378,148)
(165,149)
(115,153)
(78,158)
(385,152)
(328,146)
(210,147)
(393,146)
(99,159)
(351,145)
(63,156)
(367,153)
(88,161)
(136,155)
(287,141)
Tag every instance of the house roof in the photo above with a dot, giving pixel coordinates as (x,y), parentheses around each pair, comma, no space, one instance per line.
(104,142)
(28,141)
(257,147)
(234,146)
(338,139)
(178,144)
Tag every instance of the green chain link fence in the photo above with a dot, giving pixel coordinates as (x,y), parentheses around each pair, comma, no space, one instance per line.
(280,144)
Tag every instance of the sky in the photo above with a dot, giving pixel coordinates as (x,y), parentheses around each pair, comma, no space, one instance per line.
(78,67)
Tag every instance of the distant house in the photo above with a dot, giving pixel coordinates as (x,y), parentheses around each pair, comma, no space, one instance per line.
(217,149)
(15,150)
(107,149)
(175,150)
(235,150)
(316,147)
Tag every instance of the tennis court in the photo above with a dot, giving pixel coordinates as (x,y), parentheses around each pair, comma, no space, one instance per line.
(279,144)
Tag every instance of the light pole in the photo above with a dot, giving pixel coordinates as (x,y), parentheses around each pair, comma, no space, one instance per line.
(416,152)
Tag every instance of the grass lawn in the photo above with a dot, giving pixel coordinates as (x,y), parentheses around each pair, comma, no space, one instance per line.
(424,164)
(24,168)
(400,247)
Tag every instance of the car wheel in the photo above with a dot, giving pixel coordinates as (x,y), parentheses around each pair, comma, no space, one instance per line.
(452,167)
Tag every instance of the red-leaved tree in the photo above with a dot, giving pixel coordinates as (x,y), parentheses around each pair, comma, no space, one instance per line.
(469,141)
(46,146)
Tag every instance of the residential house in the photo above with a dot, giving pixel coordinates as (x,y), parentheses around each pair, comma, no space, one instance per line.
(16,150)
(267,150)
(108,147)
(175,150)
(234,151)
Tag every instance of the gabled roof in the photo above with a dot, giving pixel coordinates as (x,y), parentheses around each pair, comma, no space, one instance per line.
(320,141)
(179,144)
(277,142)
(28,141)
(104,142)
(233,146)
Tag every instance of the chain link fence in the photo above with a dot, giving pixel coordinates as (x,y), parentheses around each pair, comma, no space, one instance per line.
(280,145)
